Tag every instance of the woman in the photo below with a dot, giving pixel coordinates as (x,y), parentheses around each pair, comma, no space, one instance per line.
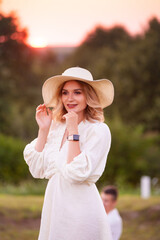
(71,151)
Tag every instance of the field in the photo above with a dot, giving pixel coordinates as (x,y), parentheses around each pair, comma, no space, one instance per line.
(20,217)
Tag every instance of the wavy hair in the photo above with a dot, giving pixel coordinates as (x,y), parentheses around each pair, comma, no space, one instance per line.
(93,111)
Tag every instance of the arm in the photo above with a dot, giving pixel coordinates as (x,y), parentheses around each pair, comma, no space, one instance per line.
(89,165)
(41,140)
(43,119)
(73,150)
(72,127)
(33,152)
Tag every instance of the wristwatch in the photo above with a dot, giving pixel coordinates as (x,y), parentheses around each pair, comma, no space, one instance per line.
(74,137)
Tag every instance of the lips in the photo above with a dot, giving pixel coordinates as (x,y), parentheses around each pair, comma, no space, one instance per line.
(71,105)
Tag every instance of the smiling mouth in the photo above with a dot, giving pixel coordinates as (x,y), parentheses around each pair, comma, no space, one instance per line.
(71,105)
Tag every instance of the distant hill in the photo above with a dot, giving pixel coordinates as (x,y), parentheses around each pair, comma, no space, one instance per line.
(61,52)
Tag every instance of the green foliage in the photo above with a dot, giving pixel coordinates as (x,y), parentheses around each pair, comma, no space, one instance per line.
(132,63)
(29,187)
(22,72)
(103,37)
(13,168)
(132,155)
(15,73)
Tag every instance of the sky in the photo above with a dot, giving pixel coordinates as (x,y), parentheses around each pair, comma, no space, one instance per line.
(67,22)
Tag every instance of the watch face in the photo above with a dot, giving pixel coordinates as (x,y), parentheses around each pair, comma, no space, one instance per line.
(76,137)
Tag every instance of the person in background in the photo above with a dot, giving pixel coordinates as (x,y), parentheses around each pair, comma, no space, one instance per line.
(109,197)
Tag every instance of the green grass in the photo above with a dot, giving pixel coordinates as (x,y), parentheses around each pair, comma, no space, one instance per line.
(38,186)
(141,217)
(20,217)
(29,187)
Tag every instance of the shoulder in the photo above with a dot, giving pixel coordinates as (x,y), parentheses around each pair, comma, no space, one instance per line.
(115,215)
(118,215)
(97,128)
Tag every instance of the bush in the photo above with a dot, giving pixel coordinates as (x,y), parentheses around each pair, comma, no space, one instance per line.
(13,168)
(132,155)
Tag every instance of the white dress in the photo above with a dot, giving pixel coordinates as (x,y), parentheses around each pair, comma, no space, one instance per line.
(72,209)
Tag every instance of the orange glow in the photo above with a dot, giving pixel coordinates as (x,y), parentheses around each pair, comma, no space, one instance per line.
(62,22)
(37,42)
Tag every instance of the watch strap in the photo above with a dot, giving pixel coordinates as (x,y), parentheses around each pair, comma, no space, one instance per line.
(73,137)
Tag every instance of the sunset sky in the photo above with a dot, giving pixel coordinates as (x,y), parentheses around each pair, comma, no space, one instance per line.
(66,22)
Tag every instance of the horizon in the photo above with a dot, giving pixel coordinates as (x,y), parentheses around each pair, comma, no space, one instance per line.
(52,23)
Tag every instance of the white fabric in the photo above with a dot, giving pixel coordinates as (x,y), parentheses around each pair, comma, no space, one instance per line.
(72,209)
(115,222)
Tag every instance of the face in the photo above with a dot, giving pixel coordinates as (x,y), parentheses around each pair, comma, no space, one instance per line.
(108,202)
(73,97)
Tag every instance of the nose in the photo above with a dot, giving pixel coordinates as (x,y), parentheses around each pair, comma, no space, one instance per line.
(70,96)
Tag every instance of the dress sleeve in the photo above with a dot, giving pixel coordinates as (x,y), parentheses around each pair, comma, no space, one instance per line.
(89,165)
(34,159)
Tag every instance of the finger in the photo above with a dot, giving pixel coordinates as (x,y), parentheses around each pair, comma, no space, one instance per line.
(49,111)
(39,106)
(64,116)
(39,111)
(71,114)
(43,107)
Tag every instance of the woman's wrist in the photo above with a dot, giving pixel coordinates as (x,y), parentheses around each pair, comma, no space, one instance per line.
(43,132)
(41,140)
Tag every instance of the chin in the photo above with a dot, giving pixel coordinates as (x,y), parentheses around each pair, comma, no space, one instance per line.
(73,110)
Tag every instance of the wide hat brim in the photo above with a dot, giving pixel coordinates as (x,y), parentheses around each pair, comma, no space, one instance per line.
(103,88)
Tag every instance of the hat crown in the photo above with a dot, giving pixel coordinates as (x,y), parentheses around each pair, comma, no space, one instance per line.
(78,72)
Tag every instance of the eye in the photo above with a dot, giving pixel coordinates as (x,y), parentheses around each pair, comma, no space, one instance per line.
(77,92)
(64,92)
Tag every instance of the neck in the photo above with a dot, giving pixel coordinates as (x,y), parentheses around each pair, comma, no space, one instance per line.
(109,210)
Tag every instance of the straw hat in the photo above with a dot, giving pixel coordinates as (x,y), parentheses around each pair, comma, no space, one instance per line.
(103,87)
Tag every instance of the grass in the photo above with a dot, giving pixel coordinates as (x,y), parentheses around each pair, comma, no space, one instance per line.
(20,217)
(141,217)
(29,187)
(38,186)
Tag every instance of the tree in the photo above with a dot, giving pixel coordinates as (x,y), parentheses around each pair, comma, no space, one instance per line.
(132,63)
(18,81)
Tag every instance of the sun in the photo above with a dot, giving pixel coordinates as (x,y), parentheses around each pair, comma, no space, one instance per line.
(37,42)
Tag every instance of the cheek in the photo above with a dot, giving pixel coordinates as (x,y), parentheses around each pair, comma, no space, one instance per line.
(63,99)
(83,100)
(105,203)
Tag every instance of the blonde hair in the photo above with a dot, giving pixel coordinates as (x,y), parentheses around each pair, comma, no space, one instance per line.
(93,111)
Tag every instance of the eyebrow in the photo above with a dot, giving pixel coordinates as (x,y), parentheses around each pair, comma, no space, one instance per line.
(73,89)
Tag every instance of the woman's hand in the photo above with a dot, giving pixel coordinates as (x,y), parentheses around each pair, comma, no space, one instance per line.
(43,117)
(71,122)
